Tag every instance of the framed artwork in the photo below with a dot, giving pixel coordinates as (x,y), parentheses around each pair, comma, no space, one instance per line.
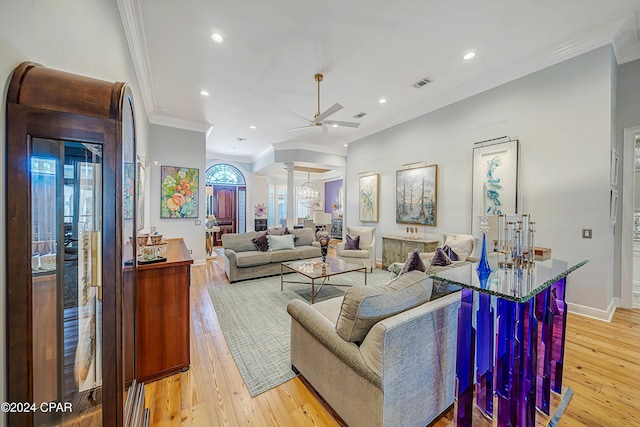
(368,197)
(179,193)
(495,180)
(127,202)
(613,210)
(417,195)
(140,186)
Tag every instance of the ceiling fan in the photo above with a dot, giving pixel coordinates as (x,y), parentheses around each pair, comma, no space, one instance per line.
(319,118)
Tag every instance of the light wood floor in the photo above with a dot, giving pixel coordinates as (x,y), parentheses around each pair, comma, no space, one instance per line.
(602,366)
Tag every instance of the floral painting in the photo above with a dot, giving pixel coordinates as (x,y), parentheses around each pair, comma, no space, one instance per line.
(368,195)
(179,198)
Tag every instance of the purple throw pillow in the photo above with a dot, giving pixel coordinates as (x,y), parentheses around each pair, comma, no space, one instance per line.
(353,242)
(414,262)
(452,255)
(261,242)
(440,258)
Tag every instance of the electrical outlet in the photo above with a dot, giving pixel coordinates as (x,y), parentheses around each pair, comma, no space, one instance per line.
(586,233)
(190,251)
(198,222)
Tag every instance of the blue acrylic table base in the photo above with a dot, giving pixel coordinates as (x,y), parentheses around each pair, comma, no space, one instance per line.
(515,377)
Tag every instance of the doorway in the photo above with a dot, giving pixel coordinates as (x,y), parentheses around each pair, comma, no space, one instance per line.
(226,199)
(630,265)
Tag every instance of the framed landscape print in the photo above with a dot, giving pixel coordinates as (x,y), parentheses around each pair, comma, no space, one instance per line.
(368,197)
(417,195)
(179,193)
(495,168)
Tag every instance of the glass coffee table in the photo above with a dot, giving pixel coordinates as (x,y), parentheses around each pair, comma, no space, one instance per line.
(315,270)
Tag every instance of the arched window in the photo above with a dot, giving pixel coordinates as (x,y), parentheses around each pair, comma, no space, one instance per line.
(226,198)
(223,173)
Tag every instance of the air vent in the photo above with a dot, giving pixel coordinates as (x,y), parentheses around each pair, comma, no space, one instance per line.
(422,82)
(359,115)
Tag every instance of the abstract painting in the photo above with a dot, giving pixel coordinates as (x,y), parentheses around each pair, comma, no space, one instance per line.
(368,196)
(495,170)
(417,195)
(179,196)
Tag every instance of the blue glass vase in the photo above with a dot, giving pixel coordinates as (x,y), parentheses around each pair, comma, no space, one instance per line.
(483,267)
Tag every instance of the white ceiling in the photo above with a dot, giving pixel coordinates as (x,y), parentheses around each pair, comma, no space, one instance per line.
(366,49)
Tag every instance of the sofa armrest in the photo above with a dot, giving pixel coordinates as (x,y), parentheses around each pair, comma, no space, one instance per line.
(231,256)
(340,247)
(324,331)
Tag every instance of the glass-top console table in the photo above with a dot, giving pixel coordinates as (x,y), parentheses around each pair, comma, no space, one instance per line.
(517,338)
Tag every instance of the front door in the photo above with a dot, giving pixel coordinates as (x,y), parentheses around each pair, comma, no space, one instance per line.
(224,208)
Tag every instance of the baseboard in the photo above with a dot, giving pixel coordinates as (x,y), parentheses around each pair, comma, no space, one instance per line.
(604,315)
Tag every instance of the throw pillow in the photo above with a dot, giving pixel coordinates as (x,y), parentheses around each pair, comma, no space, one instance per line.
(462,245)
(414,262)
(261,242)
(286,231)
(364,306)
(450,253)
(353,243)
(440,258)
(278,243)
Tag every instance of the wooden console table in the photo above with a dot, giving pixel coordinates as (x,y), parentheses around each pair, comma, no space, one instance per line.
(396,248)
(163,314)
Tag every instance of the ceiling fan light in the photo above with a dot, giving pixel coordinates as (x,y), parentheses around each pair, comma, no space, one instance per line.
(334,125)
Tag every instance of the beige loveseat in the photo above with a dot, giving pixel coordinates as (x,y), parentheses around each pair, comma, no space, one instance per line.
(401,373)
(242,259)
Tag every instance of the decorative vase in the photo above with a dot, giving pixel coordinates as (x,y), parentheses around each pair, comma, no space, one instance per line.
(324,247)
(323,251)
(483,268)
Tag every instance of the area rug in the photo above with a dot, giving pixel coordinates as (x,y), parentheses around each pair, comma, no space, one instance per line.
(254,320)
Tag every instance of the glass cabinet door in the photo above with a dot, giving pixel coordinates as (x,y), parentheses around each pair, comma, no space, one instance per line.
(66,268)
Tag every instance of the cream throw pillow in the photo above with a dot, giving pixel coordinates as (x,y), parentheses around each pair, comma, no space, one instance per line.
(461,244)
(363,306)
(278,243)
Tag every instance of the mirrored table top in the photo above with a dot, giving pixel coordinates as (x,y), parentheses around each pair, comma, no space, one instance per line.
(514,284)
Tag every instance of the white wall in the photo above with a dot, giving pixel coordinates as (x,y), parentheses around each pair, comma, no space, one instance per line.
(177,147)
(562,116)
(82,37)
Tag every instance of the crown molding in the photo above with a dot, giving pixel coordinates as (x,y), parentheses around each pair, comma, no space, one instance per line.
(341,151)
(173,122)
(131,16)
(626,41)
(623,30)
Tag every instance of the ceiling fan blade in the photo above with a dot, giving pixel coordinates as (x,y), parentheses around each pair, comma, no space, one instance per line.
(297,116)
(343,124)
(331,110)
(300,128)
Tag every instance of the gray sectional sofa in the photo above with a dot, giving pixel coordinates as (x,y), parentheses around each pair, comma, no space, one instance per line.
(242,260)
(401,371)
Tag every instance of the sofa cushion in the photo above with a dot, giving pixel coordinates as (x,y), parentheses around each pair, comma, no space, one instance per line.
(284,255)
(286,231)
(276,231)
(261,242)
(252,258)
(414,262)
(363,306)
(360,253)
(353,243)
(305,236)
(461,244)
(365,233)
(305,252)
(278,243)
(239,242)
(450,253)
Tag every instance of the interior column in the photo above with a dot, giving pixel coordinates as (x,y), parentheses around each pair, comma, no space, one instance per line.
(290,193)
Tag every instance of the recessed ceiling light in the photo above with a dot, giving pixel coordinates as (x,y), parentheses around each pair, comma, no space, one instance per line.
(217,38)
(382,100)
(334,125)
(252,127)
(346,145)
(469,55)
(204,93)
